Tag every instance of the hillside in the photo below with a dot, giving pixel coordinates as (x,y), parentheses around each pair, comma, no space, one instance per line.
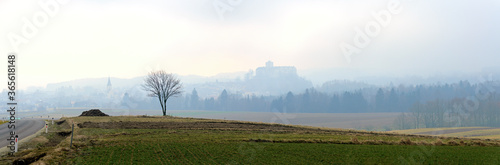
(471,132)
(173,140)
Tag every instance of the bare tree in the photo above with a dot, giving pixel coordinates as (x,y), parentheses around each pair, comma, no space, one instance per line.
(417,111)
(162,85)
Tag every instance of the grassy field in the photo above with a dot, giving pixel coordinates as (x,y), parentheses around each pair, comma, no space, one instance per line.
(170,140)
(471,132)
(413,131)
(360,121)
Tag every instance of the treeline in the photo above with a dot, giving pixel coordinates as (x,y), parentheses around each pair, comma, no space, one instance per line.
(422,106)
(366,100)
(224,102)
(459,112)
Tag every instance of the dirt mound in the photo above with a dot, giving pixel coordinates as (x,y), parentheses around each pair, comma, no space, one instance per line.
(93,112)
(60,122)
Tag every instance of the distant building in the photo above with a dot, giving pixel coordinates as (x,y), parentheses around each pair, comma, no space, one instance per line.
(271,71)
(276,80)
(109,87)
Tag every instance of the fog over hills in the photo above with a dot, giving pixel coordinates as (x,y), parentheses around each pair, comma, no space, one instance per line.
(317,77)
(125,83)
(400,64)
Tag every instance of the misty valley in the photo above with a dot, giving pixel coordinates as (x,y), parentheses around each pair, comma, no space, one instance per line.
(250,82)
(280,90)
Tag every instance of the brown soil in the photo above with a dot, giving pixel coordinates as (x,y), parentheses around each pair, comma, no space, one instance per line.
(188,125)
(211,125)
(93,112)
(30,158)
(60,122)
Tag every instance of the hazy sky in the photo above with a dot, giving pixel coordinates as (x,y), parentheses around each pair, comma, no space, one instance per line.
(125,38)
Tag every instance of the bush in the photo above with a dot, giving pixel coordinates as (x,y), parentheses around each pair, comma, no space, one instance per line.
(405,141)
(479,143)
(438,142)
(371,142)
(355,140)
(452,143)
(424,143)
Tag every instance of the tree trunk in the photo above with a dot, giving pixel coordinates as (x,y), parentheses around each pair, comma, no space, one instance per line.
(162,107)
(165,108)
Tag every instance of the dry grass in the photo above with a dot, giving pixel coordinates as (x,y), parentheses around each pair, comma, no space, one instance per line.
(3,121)
(406,141)
(453,143)
(423,143)
(497,137)
(83,119)
(476,133)
(413,131)
(438,142)
(355,140)
(40,140)
(156,122)
(40,147)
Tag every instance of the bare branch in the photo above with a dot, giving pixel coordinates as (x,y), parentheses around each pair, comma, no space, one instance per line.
(162,85)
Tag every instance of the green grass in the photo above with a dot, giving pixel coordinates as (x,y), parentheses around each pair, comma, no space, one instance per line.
(214,147)
(156,146)
(253,145)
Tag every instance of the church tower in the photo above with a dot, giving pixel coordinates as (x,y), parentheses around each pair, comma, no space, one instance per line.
(109,87)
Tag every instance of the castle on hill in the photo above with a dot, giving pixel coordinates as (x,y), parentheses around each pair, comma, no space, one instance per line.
(276,80)
(271,71)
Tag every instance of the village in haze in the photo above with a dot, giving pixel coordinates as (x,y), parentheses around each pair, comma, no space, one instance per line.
(267,90)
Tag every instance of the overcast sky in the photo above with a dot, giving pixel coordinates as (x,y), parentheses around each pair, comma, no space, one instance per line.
(125,38)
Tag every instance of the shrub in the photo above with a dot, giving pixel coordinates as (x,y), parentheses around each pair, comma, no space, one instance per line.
(479,143)
(424,143)
(438,142)
(371,142)
(355,140)
(452,143)
(386,142)
(405,141)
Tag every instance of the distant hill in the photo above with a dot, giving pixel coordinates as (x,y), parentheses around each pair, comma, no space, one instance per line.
(131,82)
(339,86)
(97,83)
(268,80)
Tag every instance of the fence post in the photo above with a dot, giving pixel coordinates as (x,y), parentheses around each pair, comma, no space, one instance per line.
(17,146)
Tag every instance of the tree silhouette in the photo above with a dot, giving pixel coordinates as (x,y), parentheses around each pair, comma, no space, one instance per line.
(194,99)
(162,85)
(223,99)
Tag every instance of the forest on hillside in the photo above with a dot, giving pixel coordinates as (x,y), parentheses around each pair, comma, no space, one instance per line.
(421,106)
